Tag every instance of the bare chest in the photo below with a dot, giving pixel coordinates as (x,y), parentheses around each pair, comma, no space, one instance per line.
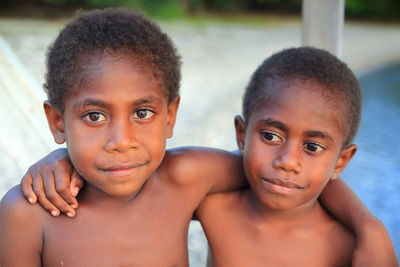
(133,237)
(237,241)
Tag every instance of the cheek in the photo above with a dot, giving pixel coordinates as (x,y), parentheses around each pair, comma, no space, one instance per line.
(255,158)
(83,143)
(152,137)
(85,152)
(320,174)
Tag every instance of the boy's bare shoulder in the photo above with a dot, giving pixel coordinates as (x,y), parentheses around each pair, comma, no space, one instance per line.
(13,201)
(14,206)
(331,229)
(220,203)
(21,230)
(342,236)
(334,242)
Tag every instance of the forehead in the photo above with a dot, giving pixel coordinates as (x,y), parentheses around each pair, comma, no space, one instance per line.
(302,104)
(100,62)
(117,79)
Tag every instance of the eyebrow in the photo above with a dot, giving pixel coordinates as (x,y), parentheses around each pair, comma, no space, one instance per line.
(320,134)
(312,133)
(274,123)
(88,102)
(148,100)
(99,103)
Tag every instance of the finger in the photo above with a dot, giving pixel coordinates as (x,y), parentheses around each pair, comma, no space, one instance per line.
(76,183)
(62,186)
(26,186)
(54,197)
(38,189)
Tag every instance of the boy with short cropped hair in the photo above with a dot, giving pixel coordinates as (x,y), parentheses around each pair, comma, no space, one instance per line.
(301,111)
(112,83)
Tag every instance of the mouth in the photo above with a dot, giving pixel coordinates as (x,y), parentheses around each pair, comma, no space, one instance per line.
(120,170)
(279,186)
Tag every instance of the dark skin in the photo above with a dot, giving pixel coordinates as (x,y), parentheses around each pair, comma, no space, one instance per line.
(238,235)
(291,149)
(151,209)
(154,218)
(137,196)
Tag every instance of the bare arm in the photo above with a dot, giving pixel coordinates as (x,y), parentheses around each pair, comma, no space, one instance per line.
(213,170)
(53,182)
(374,247)
(20,232)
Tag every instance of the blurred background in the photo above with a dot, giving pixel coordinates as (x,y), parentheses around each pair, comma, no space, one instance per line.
(221,43)
(172,9)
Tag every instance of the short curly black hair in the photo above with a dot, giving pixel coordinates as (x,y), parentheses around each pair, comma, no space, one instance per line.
(308,63)
(122,31)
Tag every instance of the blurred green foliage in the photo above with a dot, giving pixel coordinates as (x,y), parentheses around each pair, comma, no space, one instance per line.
(376,9)
(167,9)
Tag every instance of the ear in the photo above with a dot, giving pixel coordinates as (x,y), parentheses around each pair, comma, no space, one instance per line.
(343,160)
(55,121)
(172,111)
(240,132)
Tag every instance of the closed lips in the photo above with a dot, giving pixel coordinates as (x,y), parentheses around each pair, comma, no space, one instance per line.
(282,183)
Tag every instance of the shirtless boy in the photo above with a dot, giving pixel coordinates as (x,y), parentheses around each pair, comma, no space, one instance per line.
(112,83)
(301,111)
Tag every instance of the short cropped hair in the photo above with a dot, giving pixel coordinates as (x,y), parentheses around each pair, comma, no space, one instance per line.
(308,63)
(117,30)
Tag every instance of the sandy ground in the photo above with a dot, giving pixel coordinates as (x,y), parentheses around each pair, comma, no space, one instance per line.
(217,62)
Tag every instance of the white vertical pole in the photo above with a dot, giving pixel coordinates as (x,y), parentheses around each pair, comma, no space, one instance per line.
(323,22)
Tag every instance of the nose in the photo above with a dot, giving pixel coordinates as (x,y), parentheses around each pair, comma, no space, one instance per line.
(121,136)
(288,158)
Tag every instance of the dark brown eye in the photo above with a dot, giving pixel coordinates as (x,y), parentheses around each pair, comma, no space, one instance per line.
(271,137)
(268,136)
(94,117)
(313,147)
(143,114)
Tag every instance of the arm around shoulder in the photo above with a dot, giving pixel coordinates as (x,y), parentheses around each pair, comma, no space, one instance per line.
(21,231)
(214,170)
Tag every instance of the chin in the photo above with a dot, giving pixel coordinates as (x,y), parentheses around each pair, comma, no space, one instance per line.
(124,192)
(118,191)
(278,205)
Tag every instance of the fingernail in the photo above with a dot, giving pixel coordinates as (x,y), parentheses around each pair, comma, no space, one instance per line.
(30,200)
(74,206)
(76,191)
(54,213)
(70,214)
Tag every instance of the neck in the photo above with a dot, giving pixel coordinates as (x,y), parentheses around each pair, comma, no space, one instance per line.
(95,197)
(294,216)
